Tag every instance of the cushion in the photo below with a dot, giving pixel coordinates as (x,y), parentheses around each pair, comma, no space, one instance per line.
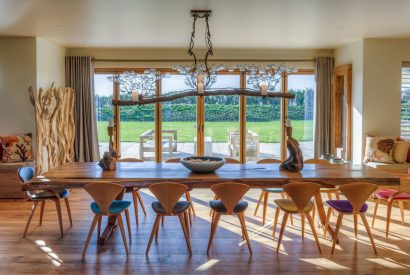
(386,193)
(16,148)
(273,190)
(400,151)
(116,207)
(379,149)
(47,194)
(289,206)
(179,207)
(344,206)
(218,206)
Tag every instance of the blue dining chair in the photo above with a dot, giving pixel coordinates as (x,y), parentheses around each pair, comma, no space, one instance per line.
(25,174)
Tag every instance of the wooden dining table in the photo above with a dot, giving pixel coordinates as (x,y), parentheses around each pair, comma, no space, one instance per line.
(142,174)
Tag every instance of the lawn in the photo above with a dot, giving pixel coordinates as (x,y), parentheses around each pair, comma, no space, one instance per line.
(268,131)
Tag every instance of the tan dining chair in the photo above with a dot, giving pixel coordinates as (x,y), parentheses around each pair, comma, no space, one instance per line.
(188,197)
(168,194)
(105,204)
(230,202)
(356,193)
(300,202)
(135,191)
(25,174)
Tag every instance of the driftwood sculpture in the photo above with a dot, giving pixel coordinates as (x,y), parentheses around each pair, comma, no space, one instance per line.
(109,161)
(294,163)
(54,115)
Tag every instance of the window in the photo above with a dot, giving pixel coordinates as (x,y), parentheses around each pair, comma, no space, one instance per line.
(405,103)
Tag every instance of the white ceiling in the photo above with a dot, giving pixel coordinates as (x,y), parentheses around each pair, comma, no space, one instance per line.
(234,23)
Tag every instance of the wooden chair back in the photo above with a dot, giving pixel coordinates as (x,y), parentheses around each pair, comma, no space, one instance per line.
(104,194)
(130,160)
(168,193)
(232,161)
(316,161)
(268,161)
(173,160)
(301,192)
(357,193)
(230,193)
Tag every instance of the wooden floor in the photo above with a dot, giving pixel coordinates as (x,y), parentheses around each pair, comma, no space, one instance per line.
(45,252)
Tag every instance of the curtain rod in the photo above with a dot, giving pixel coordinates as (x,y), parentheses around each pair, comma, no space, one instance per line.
(190,60)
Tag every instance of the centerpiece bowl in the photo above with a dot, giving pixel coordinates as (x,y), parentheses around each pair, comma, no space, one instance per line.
(203,164)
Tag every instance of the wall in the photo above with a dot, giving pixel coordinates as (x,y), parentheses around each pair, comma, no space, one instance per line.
(50,64)
(17,73)
(353,54)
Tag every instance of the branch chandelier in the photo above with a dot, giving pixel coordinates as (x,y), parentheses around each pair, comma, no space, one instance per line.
(200,76)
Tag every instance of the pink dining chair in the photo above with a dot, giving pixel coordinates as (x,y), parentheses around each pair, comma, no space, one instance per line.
(391,196)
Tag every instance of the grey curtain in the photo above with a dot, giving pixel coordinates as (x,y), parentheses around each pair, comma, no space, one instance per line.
(79,75)
(324,72)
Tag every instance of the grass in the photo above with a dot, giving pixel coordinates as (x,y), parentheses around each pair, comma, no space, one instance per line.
(268,131)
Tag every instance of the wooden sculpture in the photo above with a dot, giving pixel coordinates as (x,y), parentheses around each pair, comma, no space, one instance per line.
(108,161)
(54,116)
(294,163)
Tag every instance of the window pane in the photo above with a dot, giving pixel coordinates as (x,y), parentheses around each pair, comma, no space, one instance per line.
(222,120)
(104,110)
(178,121)
(405,103)
(301,111)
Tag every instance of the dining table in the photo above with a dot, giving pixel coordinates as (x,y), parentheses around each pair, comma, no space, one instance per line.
(143,174)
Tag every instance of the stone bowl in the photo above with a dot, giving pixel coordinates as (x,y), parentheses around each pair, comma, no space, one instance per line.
(203,164)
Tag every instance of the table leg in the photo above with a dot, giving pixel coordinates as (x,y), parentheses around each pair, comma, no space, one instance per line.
(111,224)
(321,214)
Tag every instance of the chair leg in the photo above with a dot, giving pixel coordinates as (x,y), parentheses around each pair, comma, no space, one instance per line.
(127,217)
(186,234)
(67,204)
(303,224)
(329,196)
(42,211)
(162,221)
(375,211)
(401,211)
(259,202)
(314,212)
(99,226)
(60,219)
(282,230)
(141,202)
(33,209)
(186,220)
(338,225)
(265,206)
(134,201)
(210,211)
(154,229)
(283,195)
(389,208)
(312,226)
(213,230)
(124,238)
(329,212)
(90,233)
(369,232)
(355,225)
(189,199)
(241,217)
(275,222)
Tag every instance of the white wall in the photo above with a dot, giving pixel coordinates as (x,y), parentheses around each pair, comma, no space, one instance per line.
(17,73)
(50,64)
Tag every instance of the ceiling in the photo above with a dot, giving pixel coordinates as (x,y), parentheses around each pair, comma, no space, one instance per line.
(266,24)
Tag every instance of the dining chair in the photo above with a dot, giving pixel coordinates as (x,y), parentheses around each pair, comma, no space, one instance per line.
(230,202)
(390,196)
(135,191)
(105,204)
(356,194)
(228,161)
(168,194)
(300,202)
(191,209)
(25,174)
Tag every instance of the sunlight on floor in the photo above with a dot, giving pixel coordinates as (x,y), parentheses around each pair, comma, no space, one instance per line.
(207,265)
(55,259)
(324,263)
(389,263)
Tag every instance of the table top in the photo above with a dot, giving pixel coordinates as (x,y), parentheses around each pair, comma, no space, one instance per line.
(142,174)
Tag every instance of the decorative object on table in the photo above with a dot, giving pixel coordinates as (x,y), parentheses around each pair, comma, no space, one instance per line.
(203,164)
(109,161)
(294,163)
(200,76)
(55,128)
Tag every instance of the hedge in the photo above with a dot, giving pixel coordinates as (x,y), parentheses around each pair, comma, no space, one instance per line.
(213,112)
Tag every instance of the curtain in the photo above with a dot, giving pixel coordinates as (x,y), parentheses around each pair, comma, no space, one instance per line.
(324,72)
(79,75)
